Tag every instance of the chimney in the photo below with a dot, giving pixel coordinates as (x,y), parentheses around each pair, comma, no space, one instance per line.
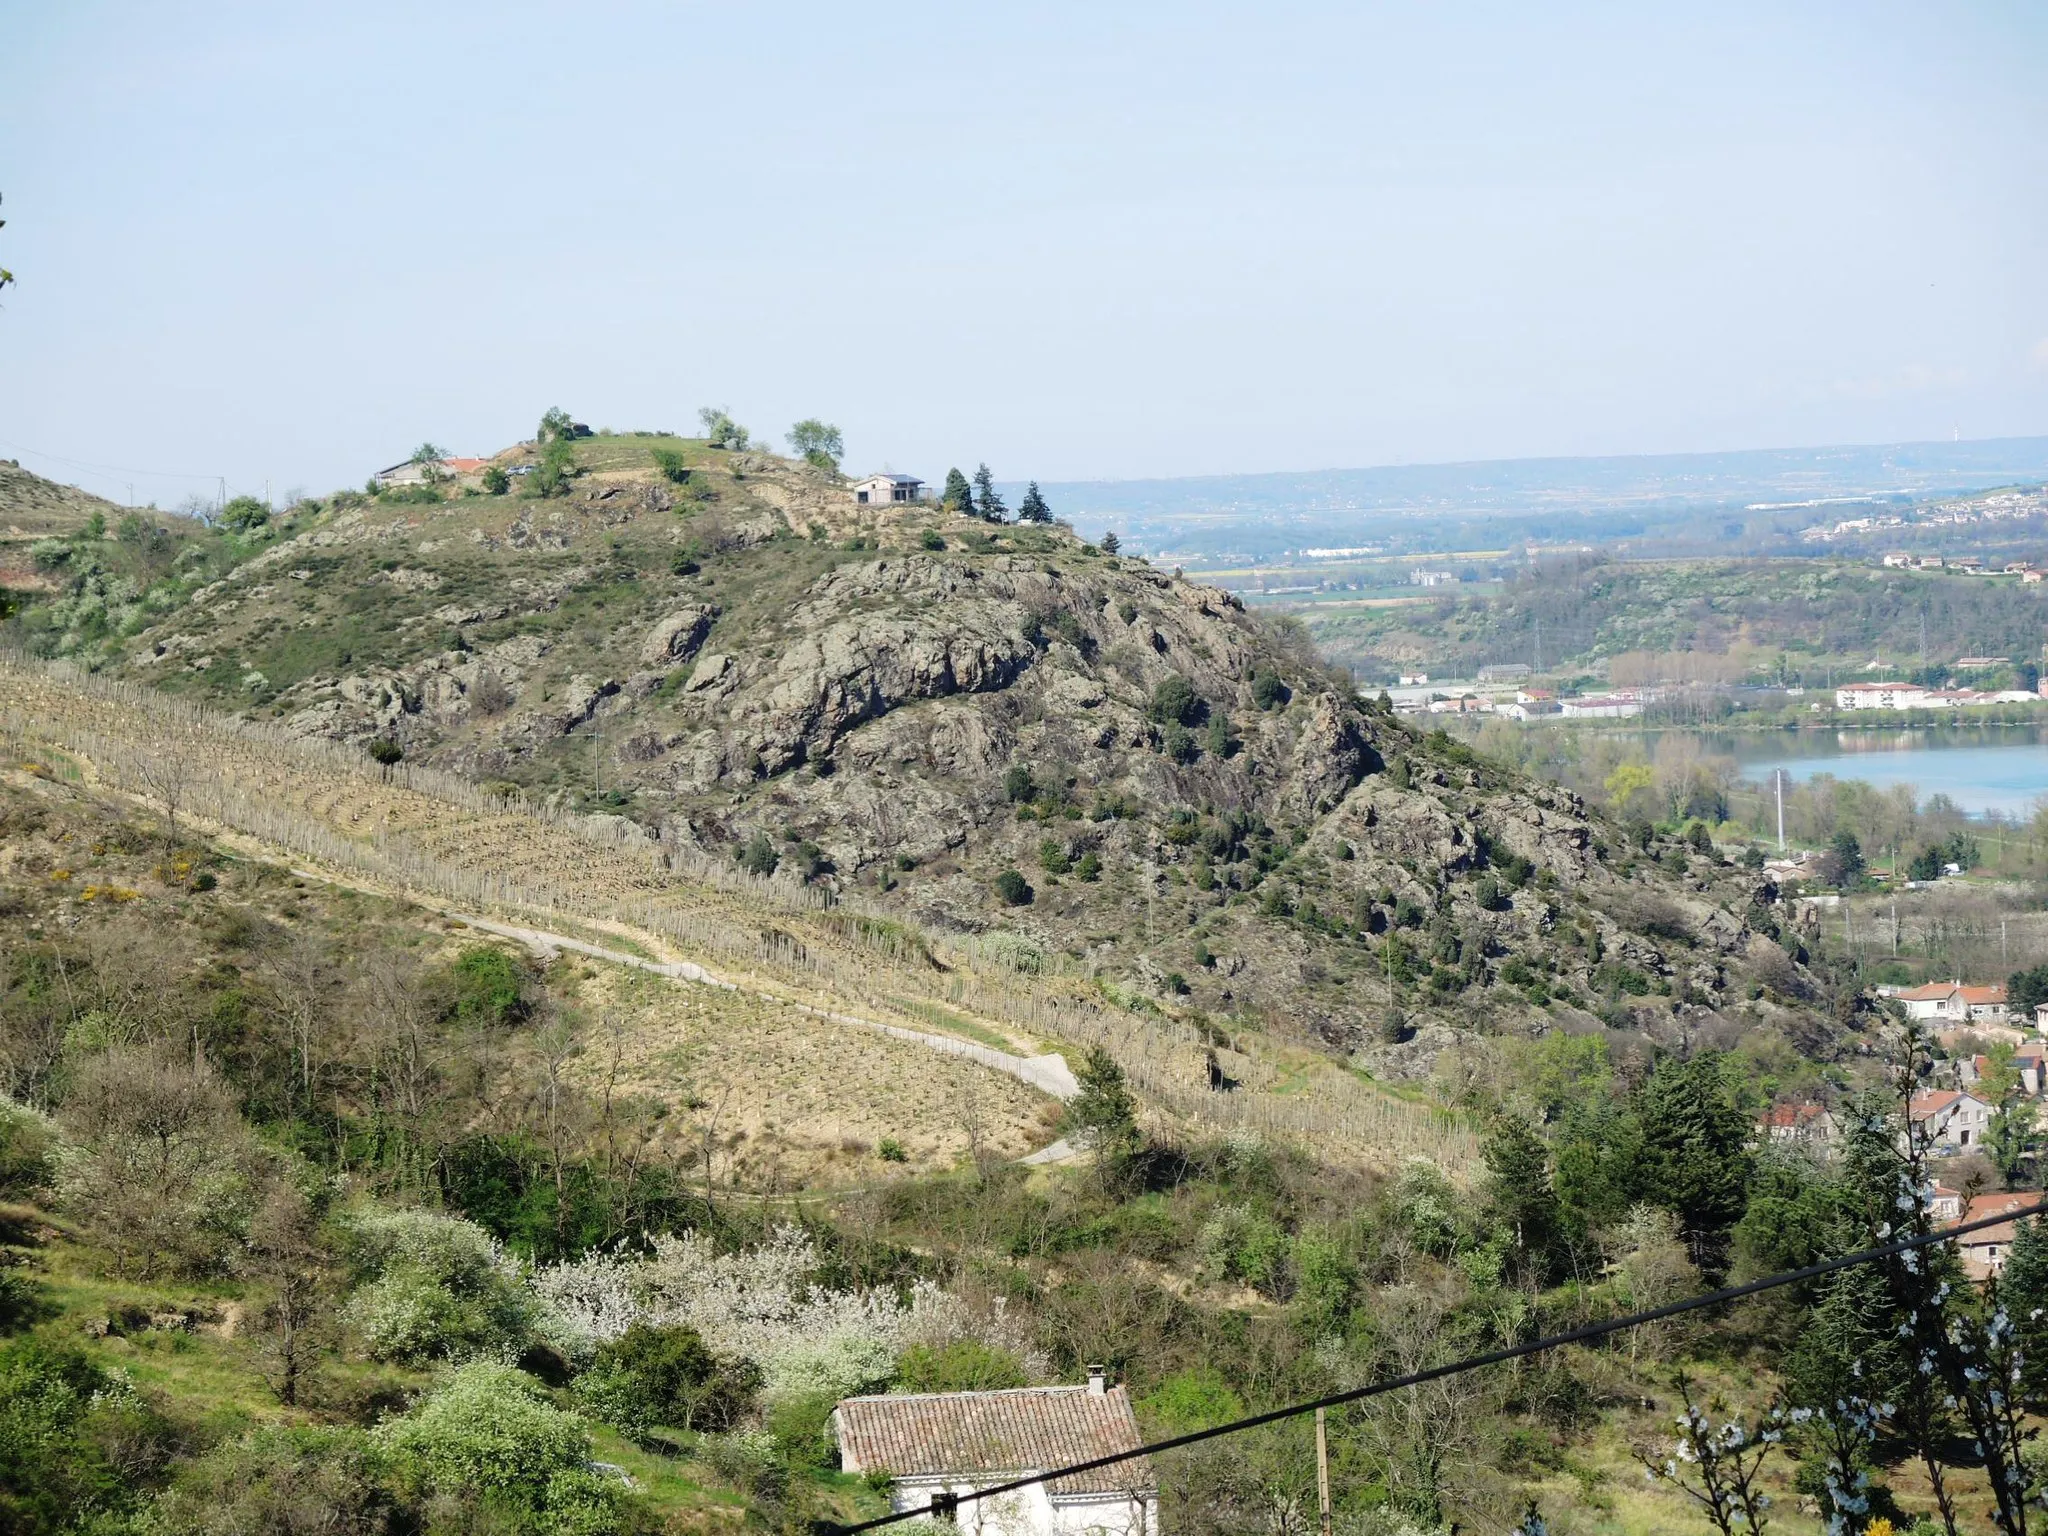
(1098,1380)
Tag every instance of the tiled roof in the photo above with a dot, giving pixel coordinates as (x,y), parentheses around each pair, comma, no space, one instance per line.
(1995,993)
(1933,992)
(1992,1205)
(1030,1429)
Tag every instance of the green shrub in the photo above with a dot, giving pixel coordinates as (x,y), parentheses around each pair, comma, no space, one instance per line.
(650,1378)
(385,751)
(1090,866)
(931,540)
(1014,890)
(1018,786)
(1052,857)
(673,466)
(77,1444)
(1175,702)
(1179,745)
(488,1434)
(1197,1398)
(965,1365)
(759,857)
(490,988)
(496,481)
(278,1480)
(244,514)
(1268,689)
(891,1151)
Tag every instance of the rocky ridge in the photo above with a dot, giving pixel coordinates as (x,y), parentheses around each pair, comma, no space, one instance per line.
(909,704)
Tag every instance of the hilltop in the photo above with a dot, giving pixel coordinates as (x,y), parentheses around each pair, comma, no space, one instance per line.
(983,730)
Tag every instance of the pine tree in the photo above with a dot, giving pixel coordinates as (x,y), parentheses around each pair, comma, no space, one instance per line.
(959,496)
(2023,1292)
(1111,543)
(1518,1185)
(1695,1162)
(1032,509)
(988,506)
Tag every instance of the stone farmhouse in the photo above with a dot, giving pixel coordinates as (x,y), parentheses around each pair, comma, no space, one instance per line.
(954,1443)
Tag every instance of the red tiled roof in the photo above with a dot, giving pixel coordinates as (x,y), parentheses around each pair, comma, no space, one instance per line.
(1933,992)
(1992,1205)
(1995,993)
(1792,1116)
(1030,1429)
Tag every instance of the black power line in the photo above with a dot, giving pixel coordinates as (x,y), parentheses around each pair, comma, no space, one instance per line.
(947,1504)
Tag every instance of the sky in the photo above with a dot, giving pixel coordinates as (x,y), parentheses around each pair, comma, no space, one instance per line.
(281,245)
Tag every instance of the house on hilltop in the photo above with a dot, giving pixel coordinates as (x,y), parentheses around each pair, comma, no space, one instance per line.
(883,488)
(935,1444)
(413,472)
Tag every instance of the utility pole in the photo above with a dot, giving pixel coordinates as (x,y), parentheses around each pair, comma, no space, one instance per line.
(1895,922)
(1323,1470)
(1778,778)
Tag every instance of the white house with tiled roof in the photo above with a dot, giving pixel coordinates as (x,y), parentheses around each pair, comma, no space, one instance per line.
(955,1443)
(1950,1121)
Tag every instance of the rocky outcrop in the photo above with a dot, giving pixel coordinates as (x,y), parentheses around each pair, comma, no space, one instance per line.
(676,638)
(857,670)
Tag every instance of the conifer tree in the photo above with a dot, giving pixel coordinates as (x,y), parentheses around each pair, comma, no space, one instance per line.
(959,495)
(1111,543)
(1695,1159)
(1032,509)
(2023,1292)
(988,506)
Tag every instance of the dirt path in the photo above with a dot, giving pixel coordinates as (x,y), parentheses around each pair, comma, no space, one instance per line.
(1049,1073)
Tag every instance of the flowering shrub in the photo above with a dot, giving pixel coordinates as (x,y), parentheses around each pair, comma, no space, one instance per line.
(762,1305)
(433,1287)
(488,1434)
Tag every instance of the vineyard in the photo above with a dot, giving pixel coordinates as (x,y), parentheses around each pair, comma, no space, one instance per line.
(437,838)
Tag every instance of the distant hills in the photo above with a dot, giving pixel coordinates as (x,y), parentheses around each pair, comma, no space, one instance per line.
(1421,506)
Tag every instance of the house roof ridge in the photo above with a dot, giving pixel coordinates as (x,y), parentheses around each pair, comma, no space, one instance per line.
(911,1397)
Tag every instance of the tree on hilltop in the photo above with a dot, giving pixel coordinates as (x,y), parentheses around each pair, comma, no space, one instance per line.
(959,495)
(429,452)
(988,506)
(1032,509)
(720,430)
(818,442)
(555,425)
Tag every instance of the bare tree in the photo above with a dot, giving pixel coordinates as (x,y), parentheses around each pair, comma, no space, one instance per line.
(166,771)
(161,1134)
(290,1332)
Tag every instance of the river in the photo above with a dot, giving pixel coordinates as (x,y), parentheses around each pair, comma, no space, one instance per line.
(1984,769)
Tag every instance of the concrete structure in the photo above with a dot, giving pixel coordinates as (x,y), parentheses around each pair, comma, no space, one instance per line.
(881,488)
(1433,578)
(1898,560)
(938,1443)
(1599,707)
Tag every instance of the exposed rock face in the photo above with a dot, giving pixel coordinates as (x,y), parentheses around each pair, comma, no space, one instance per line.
(679,634)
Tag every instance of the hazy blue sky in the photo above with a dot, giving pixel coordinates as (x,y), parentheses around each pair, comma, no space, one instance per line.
(287,242)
